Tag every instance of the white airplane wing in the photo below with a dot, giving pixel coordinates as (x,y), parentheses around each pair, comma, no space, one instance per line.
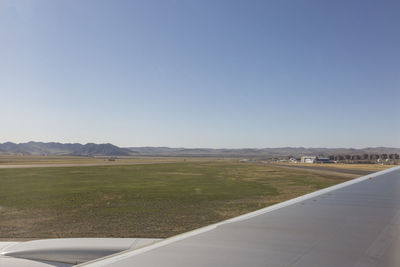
(65,251)
(356,223)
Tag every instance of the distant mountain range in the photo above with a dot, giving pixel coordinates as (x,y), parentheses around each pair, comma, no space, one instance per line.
(91,149)
(76,149)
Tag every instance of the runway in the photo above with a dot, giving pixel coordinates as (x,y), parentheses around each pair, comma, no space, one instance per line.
(20,166)
(315,167)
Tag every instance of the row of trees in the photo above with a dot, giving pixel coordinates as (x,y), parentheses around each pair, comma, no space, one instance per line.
(365,157)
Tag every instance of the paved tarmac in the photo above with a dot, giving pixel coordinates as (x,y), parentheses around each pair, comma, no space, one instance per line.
(325,168)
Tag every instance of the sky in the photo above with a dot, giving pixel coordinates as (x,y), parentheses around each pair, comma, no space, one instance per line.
(204,73)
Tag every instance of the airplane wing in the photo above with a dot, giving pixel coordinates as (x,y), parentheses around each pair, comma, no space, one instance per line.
(356,223)
(64,252)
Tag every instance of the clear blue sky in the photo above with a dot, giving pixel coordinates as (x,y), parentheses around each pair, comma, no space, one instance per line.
(201,73)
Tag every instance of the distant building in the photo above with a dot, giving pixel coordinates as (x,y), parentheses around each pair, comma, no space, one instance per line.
(315,159)
(322,160)
(294,160)
(308,159)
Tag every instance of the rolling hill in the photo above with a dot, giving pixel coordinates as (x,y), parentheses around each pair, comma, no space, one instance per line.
(92,149)
(76,149)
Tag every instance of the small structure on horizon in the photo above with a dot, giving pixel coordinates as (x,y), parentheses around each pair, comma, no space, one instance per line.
(322,160)
(294,160)
(308,159)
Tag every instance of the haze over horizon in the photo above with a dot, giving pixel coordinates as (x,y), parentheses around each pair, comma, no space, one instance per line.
(197,74)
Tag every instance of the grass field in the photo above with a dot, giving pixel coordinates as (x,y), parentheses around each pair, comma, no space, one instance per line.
(149,200)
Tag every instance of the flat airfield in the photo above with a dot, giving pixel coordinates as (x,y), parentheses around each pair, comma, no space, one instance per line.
(149,197)
(20,161)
